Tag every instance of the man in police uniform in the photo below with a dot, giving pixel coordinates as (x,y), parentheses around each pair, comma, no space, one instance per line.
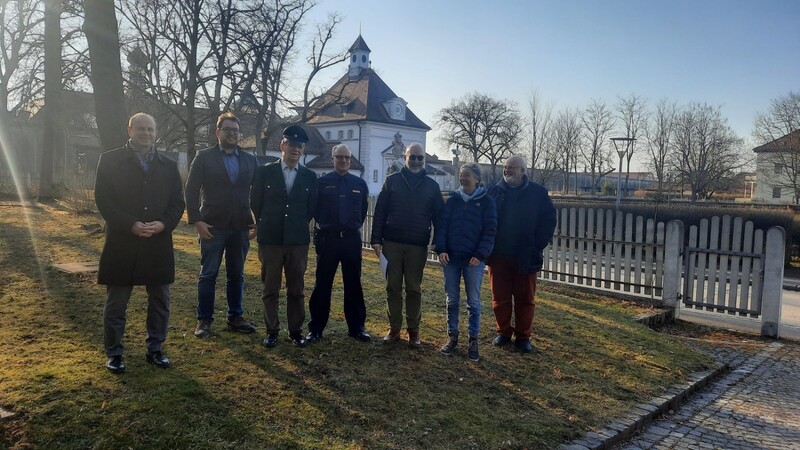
(341,210)
(283,199)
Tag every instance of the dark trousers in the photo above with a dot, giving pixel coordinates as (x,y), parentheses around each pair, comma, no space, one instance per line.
(234,245)
(512,295)
(334,248)
(114,317)
(275,261)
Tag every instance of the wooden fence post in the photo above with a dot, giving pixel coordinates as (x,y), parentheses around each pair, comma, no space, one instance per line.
(673,266)
(773,281)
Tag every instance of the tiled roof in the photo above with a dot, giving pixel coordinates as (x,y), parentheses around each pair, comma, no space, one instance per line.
(791,140)
(359,44)
(359,99)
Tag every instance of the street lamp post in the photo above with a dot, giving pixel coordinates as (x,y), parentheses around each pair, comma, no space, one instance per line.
(621,145)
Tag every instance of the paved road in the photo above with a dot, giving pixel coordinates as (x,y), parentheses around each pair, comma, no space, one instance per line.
(755,406)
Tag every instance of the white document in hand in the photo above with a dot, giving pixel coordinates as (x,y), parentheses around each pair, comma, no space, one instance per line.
(384,265)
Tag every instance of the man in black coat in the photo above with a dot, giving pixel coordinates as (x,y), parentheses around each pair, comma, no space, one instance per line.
(526,220)
(408,204)
(218,205)
(138,193)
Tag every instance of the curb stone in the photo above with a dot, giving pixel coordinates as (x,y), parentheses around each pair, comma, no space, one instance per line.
(646,413)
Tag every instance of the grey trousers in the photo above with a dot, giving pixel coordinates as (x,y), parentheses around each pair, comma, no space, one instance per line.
(114,316)
(276,260)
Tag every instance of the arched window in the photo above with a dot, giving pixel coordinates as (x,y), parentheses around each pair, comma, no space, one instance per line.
(363,58)
(354,58)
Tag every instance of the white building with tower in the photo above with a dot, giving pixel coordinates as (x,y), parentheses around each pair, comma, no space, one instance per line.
(361,111)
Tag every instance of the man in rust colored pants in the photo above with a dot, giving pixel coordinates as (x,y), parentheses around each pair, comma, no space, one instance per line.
(526,220)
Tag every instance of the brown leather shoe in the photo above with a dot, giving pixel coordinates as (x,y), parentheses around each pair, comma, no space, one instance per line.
(392,336)
(413,339)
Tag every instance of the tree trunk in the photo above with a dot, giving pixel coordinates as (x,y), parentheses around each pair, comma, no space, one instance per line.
(102,36)
(53,139)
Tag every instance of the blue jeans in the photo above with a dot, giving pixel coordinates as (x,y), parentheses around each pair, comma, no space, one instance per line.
(473,278)
(234,244)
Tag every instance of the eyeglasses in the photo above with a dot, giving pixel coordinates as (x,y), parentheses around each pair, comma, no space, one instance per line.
(230,130)
(342,157)
(416,157)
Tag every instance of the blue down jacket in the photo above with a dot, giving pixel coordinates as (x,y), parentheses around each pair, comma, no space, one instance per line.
(467,229)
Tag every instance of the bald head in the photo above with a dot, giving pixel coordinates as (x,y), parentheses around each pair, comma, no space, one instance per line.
(415,157)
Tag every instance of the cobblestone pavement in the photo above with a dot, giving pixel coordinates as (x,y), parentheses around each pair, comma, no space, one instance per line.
(755,406)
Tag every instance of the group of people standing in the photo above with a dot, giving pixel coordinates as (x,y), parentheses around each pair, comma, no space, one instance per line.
(231,200)
(506,227)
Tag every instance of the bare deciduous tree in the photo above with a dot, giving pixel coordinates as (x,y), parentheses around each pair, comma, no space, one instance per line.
(595,153)
(567,135)
(21,55)
(632,114)
(659,139)
(489,129)
(707,151)
(102,37)
(543,158)
(53,141)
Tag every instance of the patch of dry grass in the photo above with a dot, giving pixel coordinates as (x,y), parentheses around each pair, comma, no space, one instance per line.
(591,364)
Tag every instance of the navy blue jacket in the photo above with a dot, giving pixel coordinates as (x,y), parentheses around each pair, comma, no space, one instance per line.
(467,229)
(341,202)
(538,225)
(406,208)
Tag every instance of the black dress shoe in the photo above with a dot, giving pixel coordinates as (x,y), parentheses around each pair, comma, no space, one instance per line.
(115,364)
(523,345)
(313,338)
(158,359)
(271,340)
(362,336)
(298,340)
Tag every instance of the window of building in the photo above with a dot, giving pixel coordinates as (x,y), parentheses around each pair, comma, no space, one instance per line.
(776,192)
(375,176)
(341,135)
(327,135)
(778,168)
(349,134)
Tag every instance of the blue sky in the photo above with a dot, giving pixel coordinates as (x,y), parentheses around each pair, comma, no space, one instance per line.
(737,54)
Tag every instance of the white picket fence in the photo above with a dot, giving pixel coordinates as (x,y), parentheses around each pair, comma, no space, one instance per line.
(725,266)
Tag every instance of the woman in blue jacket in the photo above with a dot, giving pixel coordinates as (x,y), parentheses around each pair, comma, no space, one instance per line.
(468,225)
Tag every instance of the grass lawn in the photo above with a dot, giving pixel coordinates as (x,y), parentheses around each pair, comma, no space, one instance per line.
(591,364)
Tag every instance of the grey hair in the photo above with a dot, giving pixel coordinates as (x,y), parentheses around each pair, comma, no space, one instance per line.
(138,116)
(338,146)
(474,168)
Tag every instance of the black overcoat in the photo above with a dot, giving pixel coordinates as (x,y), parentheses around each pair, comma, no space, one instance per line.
(125,193)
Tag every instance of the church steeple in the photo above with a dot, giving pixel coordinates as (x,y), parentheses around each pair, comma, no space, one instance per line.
(359,57)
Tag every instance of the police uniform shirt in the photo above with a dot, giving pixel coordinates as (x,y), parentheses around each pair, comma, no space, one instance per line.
(341,202)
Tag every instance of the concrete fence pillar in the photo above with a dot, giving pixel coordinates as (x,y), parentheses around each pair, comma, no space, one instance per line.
(673,264)
(772,294)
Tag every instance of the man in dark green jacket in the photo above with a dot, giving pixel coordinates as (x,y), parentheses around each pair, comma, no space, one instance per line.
(283,199)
